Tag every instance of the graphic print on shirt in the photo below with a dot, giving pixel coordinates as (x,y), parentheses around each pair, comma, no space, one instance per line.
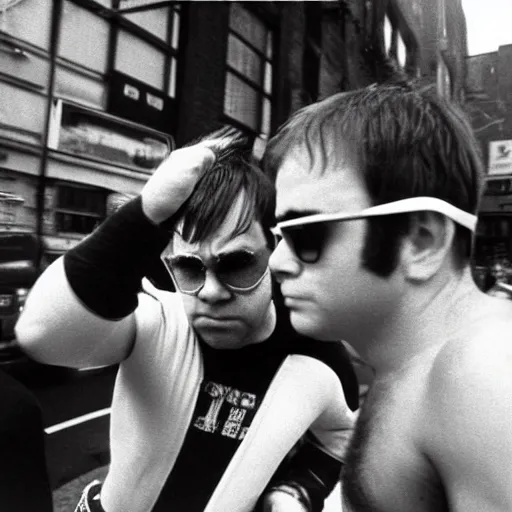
(224,410)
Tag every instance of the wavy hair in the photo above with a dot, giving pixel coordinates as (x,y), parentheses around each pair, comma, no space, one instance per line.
(234,171)
(406,141)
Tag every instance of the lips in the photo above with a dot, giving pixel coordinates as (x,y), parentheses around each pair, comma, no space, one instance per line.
(217,318)
(212,322)
(292,302)
(290,294)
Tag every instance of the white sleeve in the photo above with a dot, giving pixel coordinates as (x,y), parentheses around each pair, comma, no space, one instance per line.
(335,425)
(55,327)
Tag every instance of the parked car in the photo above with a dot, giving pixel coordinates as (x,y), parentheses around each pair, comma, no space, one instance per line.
(502,290)
(18,272)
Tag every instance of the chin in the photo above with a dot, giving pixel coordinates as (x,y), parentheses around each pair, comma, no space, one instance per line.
(222,342)
(313,329)
(305,326)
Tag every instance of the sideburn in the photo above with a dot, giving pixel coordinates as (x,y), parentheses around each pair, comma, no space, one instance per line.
(382,243)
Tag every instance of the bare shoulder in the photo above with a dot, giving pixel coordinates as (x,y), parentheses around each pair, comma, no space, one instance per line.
(466,426)
(476,362)
(470,381)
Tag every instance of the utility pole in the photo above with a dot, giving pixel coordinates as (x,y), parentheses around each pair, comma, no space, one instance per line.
(41,186)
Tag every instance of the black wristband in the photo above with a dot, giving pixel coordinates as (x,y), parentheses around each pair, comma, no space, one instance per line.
(313,470)
(105,270)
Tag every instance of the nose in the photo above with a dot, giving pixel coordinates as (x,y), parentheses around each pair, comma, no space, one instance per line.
(283,263)
(213,290)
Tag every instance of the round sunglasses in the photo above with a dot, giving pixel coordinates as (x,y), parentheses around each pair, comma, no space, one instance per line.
(238,271)
(306,235)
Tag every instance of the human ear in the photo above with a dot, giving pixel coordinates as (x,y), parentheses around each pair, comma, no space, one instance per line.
(427,245)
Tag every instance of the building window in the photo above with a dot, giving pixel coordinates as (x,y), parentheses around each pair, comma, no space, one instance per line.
(27,20)
(248,88)
(492,246)
(444,80)
(152,33)
(498,187)
(79,209)
(154,20)
(75,43)
(148,67)
(397,45)
(401,51)
(388,34)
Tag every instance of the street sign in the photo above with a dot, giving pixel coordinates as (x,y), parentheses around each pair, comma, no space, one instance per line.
(500,157)
(136,101)
(97,135)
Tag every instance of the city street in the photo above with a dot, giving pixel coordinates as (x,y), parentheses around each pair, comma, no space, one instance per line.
(355,154)
(75,409)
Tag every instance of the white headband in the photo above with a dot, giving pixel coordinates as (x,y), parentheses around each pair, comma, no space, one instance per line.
(409,205)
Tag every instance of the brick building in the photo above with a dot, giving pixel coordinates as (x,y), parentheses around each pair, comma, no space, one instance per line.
(427,39)
(94,93)
(489,103)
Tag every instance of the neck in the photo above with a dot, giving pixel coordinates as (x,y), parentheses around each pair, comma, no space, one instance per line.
(267,326)
(428,316)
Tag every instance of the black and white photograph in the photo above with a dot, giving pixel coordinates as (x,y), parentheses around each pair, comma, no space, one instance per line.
(255,256)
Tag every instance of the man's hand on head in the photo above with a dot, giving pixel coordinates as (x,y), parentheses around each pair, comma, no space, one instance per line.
(174,180)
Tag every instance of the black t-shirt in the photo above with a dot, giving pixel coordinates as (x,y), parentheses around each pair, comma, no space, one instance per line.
(234,385)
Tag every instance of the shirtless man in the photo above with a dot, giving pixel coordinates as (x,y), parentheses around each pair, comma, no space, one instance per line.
(377,191)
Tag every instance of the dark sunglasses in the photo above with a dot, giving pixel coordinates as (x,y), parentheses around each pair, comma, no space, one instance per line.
(238,271)
(306,236)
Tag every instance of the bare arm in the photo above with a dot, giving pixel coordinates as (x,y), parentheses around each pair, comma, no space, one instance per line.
(471,445)
(57,328)
(81,310)
(312,471)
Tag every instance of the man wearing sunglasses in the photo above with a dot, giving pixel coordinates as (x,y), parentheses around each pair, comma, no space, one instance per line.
(215,388)
(377,191)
